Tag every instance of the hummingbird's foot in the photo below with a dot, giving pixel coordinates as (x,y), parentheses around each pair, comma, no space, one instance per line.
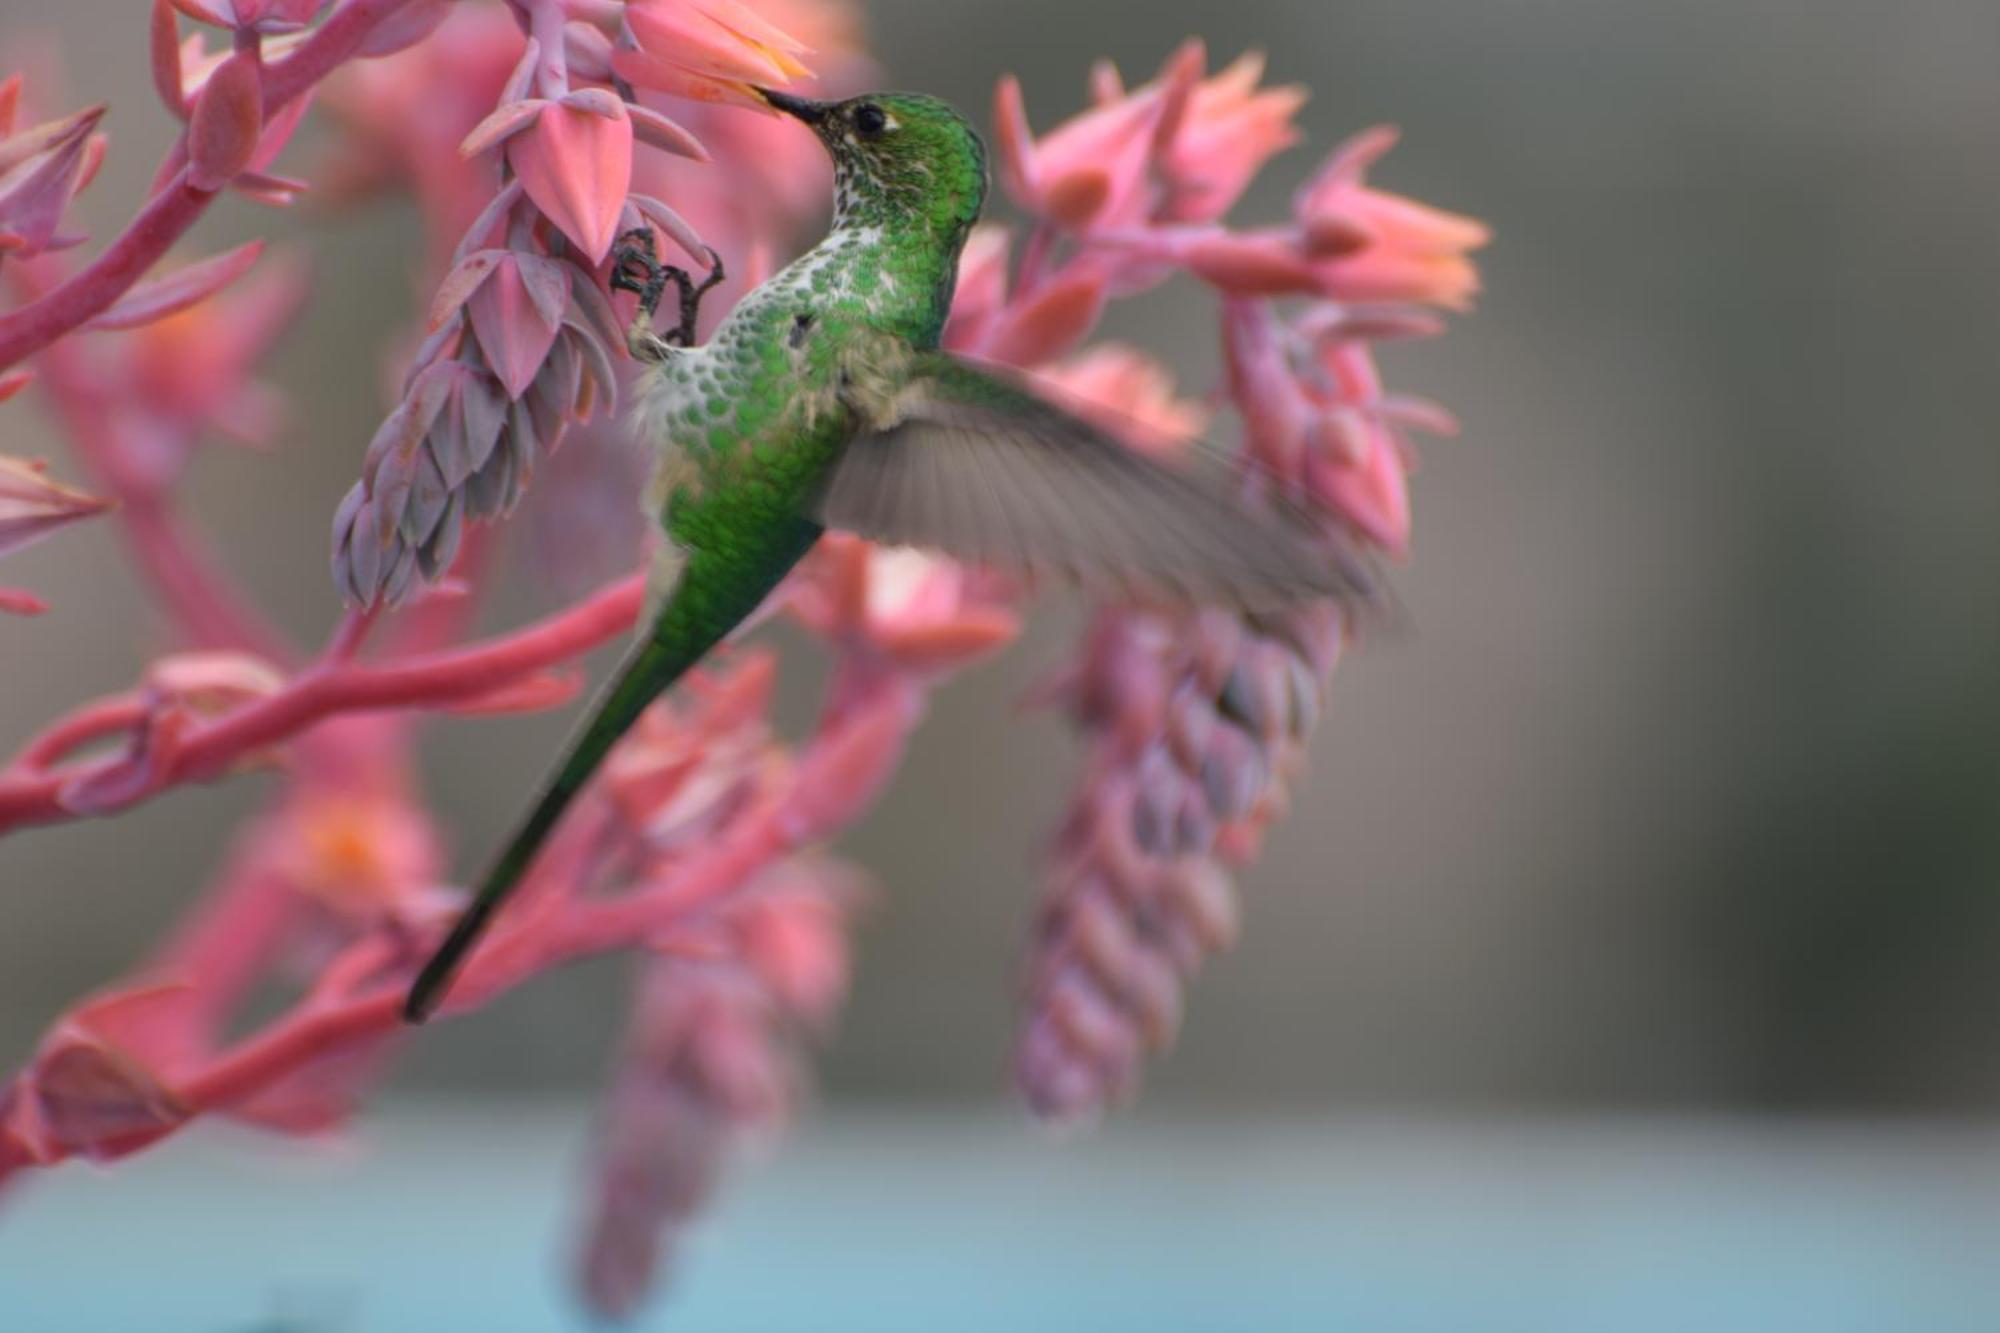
(691,295)
(635,267)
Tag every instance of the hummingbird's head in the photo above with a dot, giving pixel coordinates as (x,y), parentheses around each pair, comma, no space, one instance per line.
(897,158)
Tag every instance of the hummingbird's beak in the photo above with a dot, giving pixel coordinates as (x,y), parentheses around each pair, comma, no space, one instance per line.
(804,108)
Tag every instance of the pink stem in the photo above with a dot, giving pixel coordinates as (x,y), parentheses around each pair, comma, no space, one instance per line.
(105,717)
(176,207)
(33,795)
(545,25)
(528,944)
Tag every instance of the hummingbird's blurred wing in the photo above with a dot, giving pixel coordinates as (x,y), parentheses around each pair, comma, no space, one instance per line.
(978,469)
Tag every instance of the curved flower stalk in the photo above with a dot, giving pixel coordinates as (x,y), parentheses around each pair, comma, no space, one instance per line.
(521,341)
(1197,723)
(710,1064)
(334,889)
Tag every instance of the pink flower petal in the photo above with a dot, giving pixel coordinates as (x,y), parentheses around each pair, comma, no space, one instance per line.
(165,51)
(644,70)
(513,330)
(1263,264)
(577,167)
(184,287)
(844,772)
(1014,142)
(32,506)
(1051,322)
(21,602)
(665,134)
(1374,495)
(505,121)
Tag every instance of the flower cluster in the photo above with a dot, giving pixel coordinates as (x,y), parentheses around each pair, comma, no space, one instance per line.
(1197,722)
(708,1064)
(518,129)
(521,341)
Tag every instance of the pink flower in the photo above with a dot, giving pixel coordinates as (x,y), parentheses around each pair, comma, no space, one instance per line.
(1180,148)
(32,506)
(97,1085)
(708,1064)
(41,169)
(1090,171)
(575,161)
(1230,129)
(1129,394)
(405,117)
(917,611)
(707,50)
(193,369)
(688,766)
(1391,248)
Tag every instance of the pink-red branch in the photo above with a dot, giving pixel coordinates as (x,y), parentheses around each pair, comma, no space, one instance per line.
(31,792)
(356,1003)
(178,205)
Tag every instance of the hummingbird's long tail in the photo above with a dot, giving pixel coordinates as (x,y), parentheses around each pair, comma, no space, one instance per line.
(651,666)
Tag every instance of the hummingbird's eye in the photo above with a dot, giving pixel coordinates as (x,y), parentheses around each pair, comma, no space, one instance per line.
(870,120)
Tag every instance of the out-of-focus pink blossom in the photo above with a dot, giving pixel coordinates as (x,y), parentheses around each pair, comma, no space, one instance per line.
(33,505)
(1198,722)
(708,1062)
(193,370)
(1129,394)
(1179,148)
(173,292)
(1405,251)
(684,772)
(1230,128)
(982,286)
(41,169)
(404,118)
(94,1086)
(917,611)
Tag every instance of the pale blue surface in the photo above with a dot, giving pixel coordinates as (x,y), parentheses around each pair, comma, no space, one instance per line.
(440,1222)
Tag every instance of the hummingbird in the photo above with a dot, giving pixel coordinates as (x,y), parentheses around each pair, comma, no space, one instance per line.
(823,401)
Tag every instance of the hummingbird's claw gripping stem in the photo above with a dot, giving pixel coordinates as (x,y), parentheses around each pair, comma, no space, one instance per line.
(636,268)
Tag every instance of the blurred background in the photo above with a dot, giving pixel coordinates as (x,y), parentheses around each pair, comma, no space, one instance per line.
(1682,796)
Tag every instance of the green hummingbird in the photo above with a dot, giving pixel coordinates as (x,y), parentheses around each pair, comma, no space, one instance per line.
(823,401)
